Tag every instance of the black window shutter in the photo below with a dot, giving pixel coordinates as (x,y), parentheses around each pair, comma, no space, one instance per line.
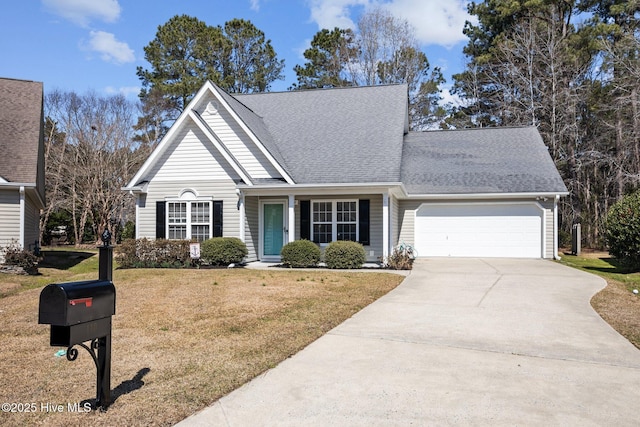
(217,218)
(305,219)
(160,220)
(364,222)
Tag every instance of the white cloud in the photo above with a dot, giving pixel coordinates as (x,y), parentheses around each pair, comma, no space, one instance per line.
(126,91)
(82,12)
(254,5)
(334,13)
(110,49)
(435,21)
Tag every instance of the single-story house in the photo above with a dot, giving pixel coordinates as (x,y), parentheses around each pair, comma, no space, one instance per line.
(21,162)
(341,164)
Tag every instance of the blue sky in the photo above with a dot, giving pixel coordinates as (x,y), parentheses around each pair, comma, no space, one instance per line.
(82,45)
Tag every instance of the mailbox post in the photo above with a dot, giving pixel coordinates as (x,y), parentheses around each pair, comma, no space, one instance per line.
(81,311)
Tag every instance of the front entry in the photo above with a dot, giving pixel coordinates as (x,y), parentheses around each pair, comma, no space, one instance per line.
(273,230)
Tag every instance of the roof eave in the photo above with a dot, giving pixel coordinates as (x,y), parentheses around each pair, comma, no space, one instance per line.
(322,188)
(463,196)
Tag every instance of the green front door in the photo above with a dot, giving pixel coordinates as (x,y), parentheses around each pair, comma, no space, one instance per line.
(273,230)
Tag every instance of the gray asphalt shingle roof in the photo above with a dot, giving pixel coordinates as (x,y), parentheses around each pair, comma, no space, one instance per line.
(20,126)
(487,160)
(344,135)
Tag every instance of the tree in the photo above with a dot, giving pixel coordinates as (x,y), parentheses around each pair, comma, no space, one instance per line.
(251,64)
(615,25)
(381,39)
(328,60)
(382,50)
(155,115)
(90,156)
(411,66)
(187,52)
(528,64)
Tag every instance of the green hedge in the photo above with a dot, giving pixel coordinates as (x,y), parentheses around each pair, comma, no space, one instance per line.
(623,230)
(300,253)
(223,251)
(344,254)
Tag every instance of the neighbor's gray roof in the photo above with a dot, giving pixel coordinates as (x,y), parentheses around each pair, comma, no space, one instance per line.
(345,135)
(20,127)
(487,160)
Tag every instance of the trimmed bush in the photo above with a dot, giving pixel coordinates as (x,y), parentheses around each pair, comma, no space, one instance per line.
(623,230)
(159,253)
(300,253)
(344,254)
(223,251)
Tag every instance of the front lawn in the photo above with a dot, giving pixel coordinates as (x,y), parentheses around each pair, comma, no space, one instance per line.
(181,338)
(616,304)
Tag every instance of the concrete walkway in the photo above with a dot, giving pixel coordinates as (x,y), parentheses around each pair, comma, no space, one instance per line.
(459,342)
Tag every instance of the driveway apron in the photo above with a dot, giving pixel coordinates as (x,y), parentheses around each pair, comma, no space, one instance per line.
(459,342)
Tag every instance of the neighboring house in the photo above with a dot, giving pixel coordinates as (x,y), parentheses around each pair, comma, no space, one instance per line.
(341,164)
(21,162)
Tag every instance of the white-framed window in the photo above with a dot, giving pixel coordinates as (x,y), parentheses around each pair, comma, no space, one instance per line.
(334,220)
(189,220)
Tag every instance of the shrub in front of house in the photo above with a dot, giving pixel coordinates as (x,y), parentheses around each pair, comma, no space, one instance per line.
(158,253)
(344,254)
(300,253)
(15,256)
(399,260)
(623,230)
(222,251)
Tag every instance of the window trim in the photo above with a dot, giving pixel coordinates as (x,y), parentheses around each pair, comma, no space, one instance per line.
(189,224)
(334,218)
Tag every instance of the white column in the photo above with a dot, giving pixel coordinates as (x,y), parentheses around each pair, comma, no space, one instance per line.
(555,228)
(242,215)
(22,218)
(137,227)
(291,228)
(385,225)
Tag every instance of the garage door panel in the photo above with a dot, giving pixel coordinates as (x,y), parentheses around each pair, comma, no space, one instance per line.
(468,230)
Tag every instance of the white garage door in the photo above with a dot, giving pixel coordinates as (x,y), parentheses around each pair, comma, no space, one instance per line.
(512,230)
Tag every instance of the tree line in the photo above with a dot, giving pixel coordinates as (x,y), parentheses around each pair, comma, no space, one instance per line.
(568,67)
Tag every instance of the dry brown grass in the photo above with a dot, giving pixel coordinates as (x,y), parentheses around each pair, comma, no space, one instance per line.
(616,303)
(181,339)
(620,309)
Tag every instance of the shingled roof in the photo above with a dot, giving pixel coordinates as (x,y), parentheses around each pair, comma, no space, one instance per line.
(343,135)
(20,130)
(487,160)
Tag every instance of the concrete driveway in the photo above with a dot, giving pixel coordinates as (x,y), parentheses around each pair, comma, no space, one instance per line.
(459,342)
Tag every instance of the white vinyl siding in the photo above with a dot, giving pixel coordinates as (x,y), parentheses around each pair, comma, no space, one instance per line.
(191,156)
(239,144)
(224,190)
(9,216)
(252,226)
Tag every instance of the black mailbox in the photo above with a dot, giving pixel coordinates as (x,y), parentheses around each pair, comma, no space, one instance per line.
(82,311)
(77,311)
